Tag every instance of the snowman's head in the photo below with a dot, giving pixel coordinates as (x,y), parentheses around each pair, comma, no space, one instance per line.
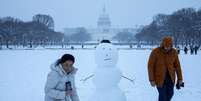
(106,54)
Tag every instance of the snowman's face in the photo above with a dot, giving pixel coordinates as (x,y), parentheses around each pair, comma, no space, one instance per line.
(106,54)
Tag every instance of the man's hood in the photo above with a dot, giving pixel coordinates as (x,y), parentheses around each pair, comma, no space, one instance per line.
(166,42)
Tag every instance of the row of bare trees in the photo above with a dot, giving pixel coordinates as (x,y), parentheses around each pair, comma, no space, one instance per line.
(124,37)
(40,30)
(183,25)
(80,35)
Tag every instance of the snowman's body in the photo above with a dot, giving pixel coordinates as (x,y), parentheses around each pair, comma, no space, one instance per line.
(106,75)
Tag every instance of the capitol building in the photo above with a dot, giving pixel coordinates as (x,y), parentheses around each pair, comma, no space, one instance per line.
(104,30)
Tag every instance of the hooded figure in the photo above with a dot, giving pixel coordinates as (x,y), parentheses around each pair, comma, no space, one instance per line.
(55,88)
(163,64)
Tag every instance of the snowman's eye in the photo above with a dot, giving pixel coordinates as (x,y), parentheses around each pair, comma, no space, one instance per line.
(103,48)
(110,49)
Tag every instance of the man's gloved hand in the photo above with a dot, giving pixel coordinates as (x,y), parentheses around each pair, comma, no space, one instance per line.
(179,84)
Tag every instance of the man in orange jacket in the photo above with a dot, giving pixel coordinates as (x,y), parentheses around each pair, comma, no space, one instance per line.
(163,64)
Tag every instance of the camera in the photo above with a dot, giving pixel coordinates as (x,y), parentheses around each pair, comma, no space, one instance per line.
(178,86)
(68,86)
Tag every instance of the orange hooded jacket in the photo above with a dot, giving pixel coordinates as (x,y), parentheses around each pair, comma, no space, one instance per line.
(160,62)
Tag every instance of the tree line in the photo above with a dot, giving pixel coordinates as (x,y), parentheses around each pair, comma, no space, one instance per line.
(40,30)
(183,25)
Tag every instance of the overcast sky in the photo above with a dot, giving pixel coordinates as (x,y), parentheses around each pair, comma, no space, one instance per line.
(76,13)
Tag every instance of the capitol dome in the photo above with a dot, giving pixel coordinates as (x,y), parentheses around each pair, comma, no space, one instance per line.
(104,21)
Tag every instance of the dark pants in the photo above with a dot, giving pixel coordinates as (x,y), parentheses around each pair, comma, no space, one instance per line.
(167,90)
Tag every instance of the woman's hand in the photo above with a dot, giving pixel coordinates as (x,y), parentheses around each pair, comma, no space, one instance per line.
(70,92)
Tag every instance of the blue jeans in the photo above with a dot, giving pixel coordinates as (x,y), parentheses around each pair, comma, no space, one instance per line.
(166,92)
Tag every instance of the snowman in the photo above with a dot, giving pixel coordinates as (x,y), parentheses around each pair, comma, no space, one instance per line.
(107,76)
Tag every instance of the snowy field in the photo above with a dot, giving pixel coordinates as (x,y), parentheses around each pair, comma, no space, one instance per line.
(23,74)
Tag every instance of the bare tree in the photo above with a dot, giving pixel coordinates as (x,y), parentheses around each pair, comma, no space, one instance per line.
(197,27)
(44,19)
(81,35)
(8,29)
(183,25)
(124,36)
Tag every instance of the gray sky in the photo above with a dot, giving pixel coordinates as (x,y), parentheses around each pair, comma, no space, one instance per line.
(76,13)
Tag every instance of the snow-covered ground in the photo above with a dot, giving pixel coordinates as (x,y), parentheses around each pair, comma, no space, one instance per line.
(23,74)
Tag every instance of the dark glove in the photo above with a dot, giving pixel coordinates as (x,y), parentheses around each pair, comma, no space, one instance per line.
(179,85)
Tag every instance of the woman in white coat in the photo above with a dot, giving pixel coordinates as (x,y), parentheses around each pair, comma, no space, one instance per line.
(60,84)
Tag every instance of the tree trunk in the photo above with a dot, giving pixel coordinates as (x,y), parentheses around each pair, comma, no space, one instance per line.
(7,44)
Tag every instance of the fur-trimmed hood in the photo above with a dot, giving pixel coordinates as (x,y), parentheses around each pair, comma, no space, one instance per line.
(167,41)
(60,70)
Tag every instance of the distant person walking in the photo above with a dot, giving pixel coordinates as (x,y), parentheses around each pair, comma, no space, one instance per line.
(178,50)
(192,49)
(185,50)
(196,48)
(163,64)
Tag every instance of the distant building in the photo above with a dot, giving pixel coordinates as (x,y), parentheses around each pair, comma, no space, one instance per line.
(104,30)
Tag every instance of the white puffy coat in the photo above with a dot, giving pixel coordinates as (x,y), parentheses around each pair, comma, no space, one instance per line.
(55,84)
